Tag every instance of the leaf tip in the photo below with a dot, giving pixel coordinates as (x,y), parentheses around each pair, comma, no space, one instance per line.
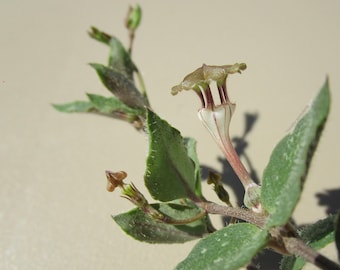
(58,107)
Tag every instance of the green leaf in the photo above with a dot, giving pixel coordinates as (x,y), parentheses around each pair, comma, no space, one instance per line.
(317,235)
(75,106)
(119,85)
(292,263)
(108,105)
(229,248)
(190,144)
(143,228)
(170,172)
(337,234)
(99,35)
(120,60)
(284,175)
(97,103)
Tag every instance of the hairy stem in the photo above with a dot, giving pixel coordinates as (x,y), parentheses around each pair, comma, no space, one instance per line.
(142,86)
(284,240)
(299,248)
(239,213)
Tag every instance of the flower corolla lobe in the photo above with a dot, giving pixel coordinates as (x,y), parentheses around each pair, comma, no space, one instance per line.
(203,76)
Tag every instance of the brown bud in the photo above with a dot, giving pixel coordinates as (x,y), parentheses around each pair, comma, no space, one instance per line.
(115,179)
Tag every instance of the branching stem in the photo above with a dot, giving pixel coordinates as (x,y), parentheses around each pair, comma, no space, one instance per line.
(285,241)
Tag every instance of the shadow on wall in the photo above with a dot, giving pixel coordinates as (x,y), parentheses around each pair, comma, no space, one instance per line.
(330,199)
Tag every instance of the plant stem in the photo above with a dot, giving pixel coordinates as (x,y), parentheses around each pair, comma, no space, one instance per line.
(131,39)
(239,213)
(142,86)
(299,248)
(285,240)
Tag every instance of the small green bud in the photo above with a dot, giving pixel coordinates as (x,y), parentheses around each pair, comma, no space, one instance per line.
(252,199)
(133,18)
(131,193)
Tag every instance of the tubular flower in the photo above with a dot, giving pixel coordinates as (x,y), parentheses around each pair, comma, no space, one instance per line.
(216,118)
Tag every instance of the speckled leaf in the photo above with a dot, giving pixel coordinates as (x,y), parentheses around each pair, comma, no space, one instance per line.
(120,86)
(284,175)
(119,59)
(110,104)
(143,228)
(98,104)
(229,248)
(317,235)
(170,172)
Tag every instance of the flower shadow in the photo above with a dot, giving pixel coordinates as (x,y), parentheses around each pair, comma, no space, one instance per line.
(329,198)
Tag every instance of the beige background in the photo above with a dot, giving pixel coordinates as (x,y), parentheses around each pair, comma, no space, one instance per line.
(54,209)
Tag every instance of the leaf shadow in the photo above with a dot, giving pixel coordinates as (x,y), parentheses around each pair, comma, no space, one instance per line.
(329,198)
(229,178)
(267,259)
